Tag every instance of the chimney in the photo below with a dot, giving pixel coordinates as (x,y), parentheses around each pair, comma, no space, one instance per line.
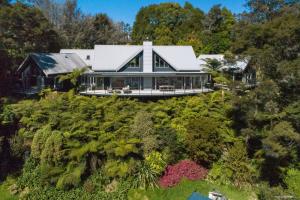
(147,56)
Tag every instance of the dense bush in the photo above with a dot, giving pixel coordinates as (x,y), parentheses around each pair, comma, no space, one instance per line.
(234,168)
(184,169)
(292,180)
(204,141)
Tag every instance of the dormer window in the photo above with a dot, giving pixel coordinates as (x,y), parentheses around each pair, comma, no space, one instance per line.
(88,57)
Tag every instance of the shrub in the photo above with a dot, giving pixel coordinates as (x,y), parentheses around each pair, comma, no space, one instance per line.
(265,192)
(184,169)
(234,168)
(145,177)
(204,140)
(156,162)
(292,180)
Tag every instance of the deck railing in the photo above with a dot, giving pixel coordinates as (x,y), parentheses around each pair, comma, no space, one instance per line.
(140,92)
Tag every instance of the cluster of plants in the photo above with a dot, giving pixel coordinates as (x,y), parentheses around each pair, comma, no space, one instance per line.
(67,139)
(184,169)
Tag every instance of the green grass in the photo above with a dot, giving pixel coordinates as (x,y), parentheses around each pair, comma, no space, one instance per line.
(4,193)
(185,189)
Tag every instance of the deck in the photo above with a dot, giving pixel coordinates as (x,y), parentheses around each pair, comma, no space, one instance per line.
(146,93)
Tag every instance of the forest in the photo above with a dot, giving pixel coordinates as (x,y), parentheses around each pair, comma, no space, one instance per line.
(243,142)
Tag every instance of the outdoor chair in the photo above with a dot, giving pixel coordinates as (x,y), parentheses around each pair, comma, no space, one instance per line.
(126,90)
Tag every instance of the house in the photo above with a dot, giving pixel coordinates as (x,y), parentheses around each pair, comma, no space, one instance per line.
(240,70)
(130,70)
(41,70)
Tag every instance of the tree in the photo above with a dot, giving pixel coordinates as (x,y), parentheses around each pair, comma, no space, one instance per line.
(204,141)
(218,28)
(279,151)
(265,10)
(143,128)
(25,29)
(234,168)
(169,23)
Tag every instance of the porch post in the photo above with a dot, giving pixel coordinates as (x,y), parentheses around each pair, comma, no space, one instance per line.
(191,83)
(155,84)
(102,78)
(201,78)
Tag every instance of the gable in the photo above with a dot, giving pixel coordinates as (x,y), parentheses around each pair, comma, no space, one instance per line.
(134,65)
(55,63)
(160,65)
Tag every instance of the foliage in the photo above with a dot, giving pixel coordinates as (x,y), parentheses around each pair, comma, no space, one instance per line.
(234,168)
(25,29)
(145,177)
(204,141)
(265,192)
(156,162)
(280,149)
(184,169)
(170,23)
(72,77)
(292,180)
(185,188)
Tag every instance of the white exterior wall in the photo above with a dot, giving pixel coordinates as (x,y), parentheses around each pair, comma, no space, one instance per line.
(147,56)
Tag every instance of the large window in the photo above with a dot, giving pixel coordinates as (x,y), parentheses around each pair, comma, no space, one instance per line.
(159,62)
(136,62)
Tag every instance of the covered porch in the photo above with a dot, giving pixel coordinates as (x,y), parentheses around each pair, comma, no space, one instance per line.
(141,84)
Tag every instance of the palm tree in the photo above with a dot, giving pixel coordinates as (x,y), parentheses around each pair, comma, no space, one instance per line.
(213,64)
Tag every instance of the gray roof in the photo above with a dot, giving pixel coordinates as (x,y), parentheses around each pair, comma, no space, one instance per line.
(113,57)
(182,58)
(86,55)
(239,65)
(56,63)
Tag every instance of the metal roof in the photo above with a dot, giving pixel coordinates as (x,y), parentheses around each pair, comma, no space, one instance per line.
(240,65)
(113,57)
(56,63)
(182,58)
(86,55)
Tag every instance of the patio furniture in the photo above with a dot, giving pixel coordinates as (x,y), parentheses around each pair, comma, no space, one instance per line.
(126,90)
(109,90)
(167,88)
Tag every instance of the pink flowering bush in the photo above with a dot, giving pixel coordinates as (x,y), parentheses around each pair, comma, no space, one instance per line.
(184,169)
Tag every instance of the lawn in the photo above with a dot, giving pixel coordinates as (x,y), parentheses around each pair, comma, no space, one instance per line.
(185,189)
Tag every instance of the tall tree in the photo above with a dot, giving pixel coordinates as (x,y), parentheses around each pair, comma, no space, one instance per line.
(218,30)
(25,29)
(169,23)
(265,10)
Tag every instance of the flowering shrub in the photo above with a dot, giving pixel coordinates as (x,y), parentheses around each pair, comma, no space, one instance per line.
(184,169)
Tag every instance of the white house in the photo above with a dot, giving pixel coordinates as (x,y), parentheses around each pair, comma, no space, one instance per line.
(132,70)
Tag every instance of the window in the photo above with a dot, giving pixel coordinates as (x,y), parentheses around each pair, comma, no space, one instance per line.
(88,57)
(159,62)
(136,62)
